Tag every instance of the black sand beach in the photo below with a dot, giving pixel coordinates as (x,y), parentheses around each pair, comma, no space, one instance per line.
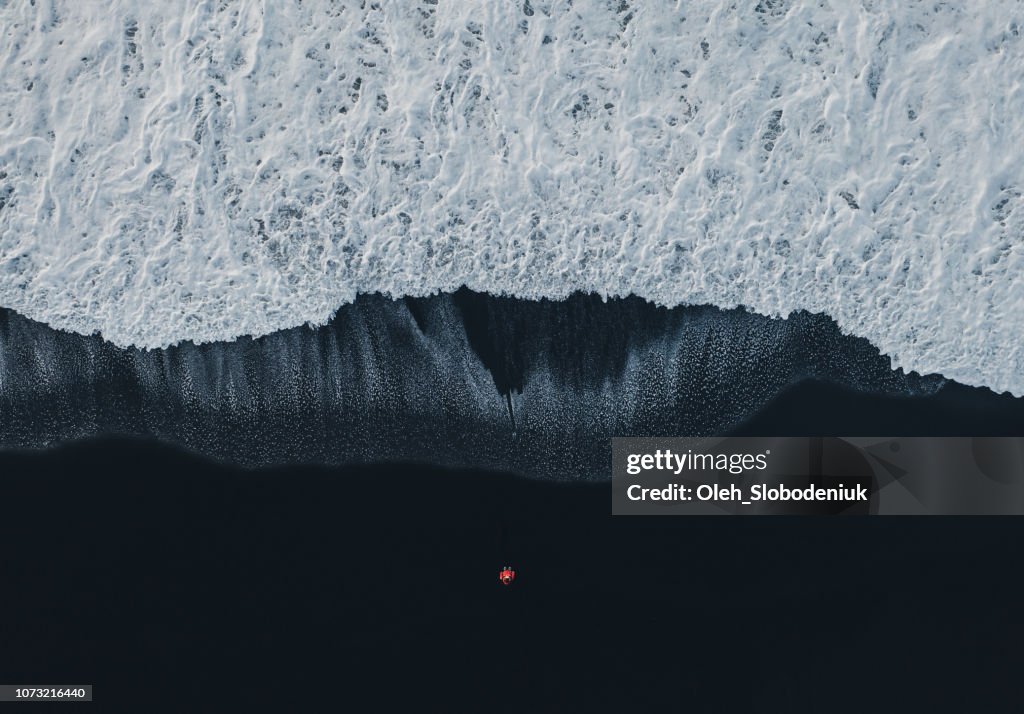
(173,583)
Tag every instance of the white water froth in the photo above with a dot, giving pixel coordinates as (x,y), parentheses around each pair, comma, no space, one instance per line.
(197,169)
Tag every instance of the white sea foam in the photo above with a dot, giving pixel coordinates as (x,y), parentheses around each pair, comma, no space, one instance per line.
(198,169)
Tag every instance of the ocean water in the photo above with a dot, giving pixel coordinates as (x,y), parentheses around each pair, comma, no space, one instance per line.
(197,171)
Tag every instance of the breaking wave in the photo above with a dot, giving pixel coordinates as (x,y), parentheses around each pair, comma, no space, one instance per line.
(200,170)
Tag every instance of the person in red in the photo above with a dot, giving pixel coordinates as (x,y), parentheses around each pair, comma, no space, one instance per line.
(507,575)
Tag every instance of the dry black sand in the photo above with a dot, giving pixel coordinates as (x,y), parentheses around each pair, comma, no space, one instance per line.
(175,584)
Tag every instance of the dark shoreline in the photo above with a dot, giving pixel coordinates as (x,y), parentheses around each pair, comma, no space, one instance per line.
(474,381)
(173,583)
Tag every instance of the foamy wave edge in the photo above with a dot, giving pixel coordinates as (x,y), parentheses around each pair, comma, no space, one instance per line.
(194,171)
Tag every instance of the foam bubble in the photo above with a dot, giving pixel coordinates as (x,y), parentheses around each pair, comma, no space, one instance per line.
(190,170)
